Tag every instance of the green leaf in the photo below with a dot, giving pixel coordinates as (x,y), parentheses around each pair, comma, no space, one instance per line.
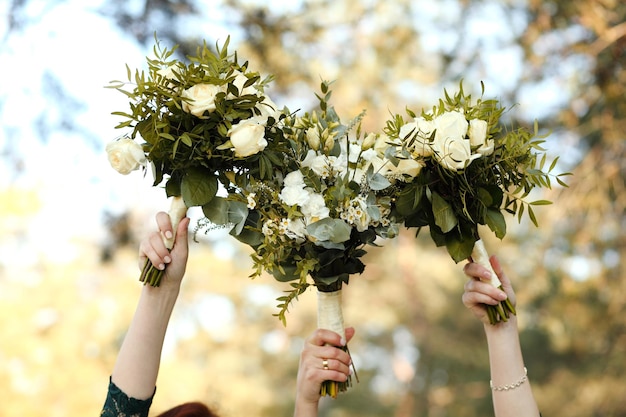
(541,203)
(198,187)
(495,221)
(409,198)
(378,182)
(217,210)
(329,229)
(458,247)
(444,216)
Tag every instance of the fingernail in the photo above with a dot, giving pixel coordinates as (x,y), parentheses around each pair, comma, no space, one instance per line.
(167,259)
(168,234)
(502,295)
(349,371)
(342,341)
(161,267)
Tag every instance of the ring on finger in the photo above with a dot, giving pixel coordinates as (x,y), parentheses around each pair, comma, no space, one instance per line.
(325,364)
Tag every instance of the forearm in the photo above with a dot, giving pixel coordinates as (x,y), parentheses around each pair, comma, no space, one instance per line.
(507,368)
(305,409)
(137,366)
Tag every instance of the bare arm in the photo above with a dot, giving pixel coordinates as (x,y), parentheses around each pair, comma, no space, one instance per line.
(505,354)
(137,365)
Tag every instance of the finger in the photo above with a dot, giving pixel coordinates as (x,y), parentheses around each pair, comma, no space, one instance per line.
(182,241)
(349,333)
(164,223)
(485,288)
(472,299)
(476,271)
(334,365)
(321,337)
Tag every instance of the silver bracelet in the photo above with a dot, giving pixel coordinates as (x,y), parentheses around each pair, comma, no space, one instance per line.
(512,386)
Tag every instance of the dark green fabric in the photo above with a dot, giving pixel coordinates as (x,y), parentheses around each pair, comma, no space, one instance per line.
(118,404)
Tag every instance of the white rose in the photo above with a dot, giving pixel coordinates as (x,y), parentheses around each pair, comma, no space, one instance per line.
(406,168)
(451,125)
(125,155)
(487,148)
(478,137)
(415,134)
(239,82)
(453,154)
(383,142)
(202,99)
(168,72)
(248,136)
(268,108)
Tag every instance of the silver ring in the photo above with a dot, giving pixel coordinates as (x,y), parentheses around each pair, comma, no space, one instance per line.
(325,364)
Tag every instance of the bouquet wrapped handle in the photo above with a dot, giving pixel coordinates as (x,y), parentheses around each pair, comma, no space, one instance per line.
(503,310)
(330,317)
(178,210)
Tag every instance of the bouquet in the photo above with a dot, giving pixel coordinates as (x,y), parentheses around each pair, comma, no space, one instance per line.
(474,171)
(310,223)
(196,124)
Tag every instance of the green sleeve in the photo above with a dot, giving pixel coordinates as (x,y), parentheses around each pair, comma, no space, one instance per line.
(118,404)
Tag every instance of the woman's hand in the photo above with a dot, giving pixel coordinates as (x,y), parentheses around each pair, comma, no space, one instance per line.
(154,249)
(319,350)
(478,293)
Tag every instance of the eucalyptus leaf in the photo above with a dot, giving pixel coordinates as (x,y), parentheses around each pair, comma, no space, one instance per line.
(378,182)
(329,229)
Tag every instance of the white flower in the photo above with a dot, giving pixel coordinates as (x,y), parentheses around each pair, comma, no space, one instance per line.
(406,170)
(202,99)
(417,133)
(313,137)
(357,213)
(168,72)
(293,192)
(451,124)
(248,136)
(478,137)
(295,229)
(453,153)
(294,195)
(251,200)
(239,82)
(268,109)
(294,178)
(317,163)
(125,155)
(314,208)
(451,147)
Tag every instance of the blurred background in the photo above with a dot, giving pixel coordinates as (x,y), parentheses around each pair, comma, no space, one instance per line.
(70,225)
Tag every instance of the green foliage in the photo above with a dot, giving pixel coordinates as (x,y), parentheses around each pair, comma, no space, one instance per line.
(495,179)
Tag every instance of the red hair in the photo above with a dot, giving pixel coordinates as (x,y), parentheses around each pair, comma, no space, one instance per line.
(192,409)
